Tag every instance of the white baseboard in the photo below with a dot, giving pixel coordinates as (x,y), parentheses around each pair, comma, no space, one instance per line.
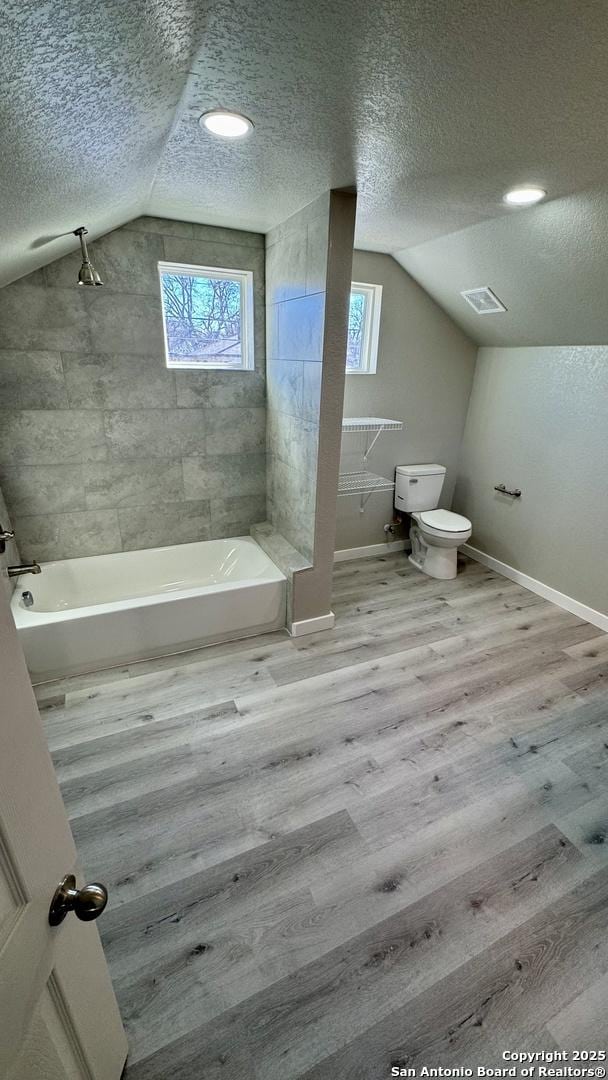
(371,549)
(312,626)
(589,614)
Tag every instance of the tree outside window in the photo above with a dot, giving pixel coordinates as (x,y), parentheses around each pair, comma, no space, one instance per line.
(207,316)
(363,328)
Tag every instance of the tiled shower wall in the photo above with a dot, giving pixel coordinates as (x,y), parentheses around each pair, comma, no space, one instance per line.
(308,276)
(296,267)
(103,449)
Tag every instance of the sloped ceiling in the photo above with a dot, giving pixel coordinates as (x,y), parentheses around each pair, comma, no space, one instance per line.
(433,108)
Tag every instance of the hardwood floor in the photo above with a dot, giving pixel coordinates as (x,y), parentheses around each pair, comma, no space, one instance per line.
(384,844)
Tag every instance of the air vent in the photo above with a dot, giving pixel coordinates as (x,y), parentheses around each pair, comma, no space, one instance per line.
(483,300)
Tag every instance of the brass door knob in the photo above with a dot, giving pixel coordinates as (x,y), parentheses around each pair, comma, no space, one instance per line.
(86,903)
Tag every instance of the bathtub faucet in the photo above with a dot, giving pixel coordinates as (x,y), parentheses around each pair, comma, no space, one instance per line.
(24,568)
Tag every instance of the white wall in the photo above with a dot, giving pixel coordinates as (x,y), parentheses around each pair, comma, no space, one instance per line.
(424,377)
(538,420)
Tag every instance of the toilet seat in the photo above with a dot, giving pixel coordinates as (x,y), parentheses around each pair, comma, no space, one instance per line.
(444,523)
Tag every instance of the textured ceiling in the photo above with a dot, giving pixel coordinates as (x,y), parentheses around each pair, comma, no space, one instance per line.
(88,92)
(431,107)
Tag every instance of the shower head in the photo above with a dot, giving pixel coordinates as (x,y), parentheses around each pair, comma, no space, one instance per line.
(87,275)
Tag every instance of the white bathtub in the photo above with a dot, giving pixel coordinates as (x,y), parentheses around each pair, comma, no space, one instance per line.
(105,610)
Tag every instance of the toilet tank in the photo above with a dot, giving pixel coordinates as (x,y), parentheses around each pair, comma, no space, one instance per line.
(418,487)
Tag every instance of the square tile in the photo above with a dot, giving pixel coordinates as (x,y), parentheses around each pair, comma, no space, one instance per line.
(31,380)
(250,508)
(317,250)
(285,386)
(139,482)
(301,325)
(43,489)
(235,431)
(156,433)
(311,391)
(220,389)
(225,475)
(163,525)
(217,234)
(225,529)
(118,381)
(294,441)
(293,507)
(34,317)
(318,208)
(215,253)
(121,323)
(53,437)
(68,536)
(286,268)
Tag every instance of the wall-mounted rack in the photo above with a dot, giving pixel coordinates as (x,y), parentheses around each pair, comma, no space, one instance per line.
(361,481)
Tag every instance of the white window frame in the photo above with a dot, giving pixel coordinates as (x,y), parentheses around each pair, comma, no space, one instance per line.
(245,277)
(371,327)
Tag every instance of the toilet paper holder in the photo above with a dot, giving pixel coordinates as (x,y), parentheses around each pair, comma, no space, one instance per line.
(515,493)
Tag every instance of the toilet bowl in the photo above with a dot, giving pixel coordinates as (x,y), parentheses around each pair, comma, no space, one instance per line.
(435,534)
(436,537)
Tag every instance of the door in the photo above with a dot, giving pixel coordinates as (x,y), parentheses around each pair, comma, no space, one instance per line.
(58,1014)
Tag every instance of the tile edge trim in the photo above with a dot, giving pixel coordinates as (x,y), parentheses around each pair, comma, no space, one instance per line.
(312,626)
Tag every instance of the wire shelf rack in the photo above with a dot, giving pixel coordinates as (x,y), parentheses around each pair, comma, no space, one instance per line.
(370,423)
(363,483)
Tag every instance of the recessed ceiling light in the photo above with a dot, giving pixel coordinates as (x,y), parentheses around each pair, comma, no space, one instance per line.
(524,196)
(229,125)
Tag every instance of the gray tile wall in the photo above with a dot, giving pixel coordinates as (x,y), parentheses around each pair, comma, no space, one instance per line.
(296,265)
(102,448)
(308,276)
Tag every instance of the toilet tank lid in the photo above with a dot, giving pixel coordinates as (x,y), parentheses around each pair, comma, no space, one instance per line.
(421,470)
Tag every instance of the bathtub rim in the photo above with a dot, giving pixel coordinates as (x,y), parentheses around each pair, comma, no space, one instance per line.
(26,618)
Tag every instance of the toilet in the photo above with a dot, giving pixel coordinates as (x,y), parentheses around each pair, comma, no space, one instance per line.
(435,534)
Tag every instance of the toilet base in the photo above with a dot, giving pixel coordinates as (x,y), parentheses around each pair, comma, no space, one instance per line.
(436,562)
(444,567)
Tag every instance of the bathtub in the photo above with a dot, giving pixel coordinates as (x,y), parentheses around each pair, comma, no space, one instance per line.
(105,610)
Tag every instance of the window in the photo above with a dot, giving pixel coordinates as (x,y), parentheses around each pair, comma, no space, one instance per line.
(208,316)
(363,328)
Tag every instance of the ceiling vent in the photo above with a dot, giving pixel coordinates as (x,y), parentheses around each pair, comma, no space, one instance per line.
(483,300)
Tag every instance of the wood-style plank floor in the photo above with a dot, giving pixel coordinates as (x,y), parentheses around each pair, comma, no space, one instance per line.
(385,844)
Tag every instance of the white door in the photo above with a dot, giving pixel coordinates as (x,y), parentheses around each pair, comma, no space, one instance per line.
(58,1014)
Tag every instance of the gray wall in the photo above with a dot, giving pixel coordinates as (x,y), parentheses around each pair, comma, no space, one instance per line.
(538,420)
(102,448)
(424,378)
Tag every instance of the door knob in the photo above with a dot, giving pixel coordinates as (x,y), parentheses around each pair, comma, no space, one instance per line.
(86,903)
